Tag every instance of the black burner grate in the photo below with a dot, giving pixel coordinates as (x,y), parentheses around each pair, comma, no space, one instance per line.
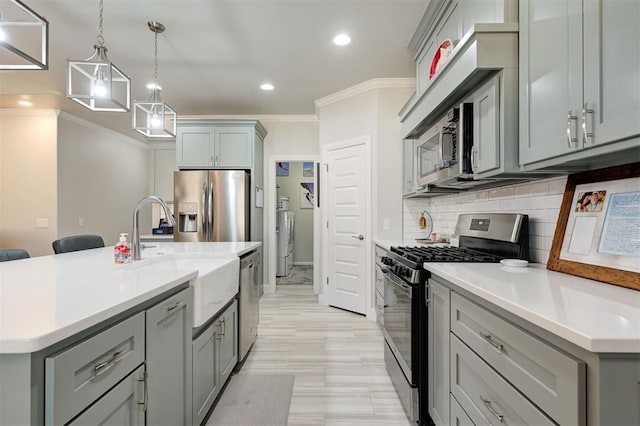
(444,254)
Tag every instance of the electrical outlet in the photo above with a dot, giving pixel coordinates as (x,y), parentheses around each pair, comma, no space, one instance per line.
(386,224)
(42,223)
(81,221)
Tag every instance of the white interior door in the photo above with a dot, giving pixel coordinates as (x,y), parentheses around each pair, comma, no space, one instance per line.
(348,198)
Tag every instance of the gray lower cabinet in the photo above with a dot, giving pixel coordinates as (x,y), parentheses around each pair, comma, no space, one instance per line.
(79,375)
(122,405)
(168,359)
(135,372)
(438,350)
(215,354)
(485,396)
(458,416)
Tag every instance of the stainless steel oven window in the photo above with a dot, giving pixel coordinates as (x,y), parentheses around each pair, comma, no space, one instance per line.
(397,320)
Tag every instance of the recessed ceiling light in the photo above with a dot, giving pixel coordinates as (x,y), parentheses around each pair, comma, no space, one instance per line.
(267,86)
(152,86)
(24,103)
(341,40)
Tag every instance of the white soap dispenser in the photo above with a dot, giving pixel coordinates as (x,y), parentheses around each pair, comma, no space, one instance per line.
(122,251)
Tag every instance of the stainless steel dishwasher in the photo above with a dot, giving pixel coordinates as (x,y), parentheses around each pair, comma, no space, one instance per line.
(248,302)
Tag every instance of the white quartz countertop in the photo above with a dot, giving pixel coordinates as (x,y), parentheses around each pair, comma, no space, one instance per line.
(595,316)
(44,300)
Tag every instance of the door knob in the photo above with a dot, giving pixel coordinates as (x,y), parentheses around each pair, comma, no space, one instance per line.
(359,237)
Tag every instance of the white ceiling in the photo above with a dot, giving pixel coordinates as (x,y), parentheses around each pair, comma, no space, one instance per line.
(214,54)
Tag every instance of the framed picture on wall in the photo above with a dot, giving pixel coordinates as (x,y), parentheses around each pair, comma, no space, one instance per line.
(598,231)
(307,169)
(306,195)
(282,168)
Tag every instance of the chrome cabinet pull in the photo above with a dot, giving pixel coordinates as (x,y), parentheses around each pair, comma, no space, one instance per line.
(585,134)
(145,395)
(358,237)
(490,340)
(104,366)
(487,404)
(224,327)
(571,117)
(176,305)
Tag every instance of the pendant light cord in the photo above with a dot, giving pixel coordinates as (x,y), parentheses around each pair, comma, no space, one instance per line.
(100,24)
(155,60)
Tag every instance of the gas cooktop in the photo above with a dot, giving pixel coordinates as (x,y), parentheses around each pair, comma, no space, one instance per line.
(444,254)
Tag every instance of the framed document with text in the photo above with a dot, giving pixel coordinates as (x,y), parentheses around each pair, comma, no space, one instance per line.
(598,230)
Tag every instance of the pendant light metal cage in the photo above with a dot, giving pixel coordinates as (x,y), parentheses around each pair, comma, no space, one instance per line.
(96,83)
(24,37)
(154,118)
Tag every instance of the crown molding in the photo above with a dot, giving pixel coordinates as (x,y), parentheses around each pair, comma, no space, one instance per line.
(373,84)
(29,112)
(91,125)
(273,117)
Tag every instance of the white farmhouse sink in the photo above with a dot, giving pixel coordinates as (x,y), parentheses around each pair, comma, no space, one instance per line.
(216,284)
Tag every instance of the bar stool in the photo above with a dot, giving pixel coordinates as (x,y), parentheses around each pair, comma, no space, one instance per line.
(13,254)
(77,243)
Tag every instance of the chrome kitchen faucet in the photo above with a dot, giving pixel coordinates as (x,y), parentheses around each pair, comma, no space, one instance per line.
(135,243)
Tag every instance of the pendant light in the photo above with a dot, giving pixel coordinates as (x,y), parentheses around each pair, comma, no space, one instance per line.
(154,118)
(24,37)
(96,83)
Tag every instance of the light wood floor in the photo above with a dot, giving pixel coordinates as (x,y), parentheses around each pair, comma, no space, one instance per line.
(336,357)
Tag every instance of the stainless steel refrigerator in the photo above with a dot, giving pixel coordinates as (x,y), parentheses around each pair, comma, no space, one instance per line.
(211,205)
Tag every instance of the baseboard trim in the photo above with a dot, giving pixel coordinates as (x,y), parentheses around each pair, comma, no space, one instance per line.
(371,314)
(268,288)
(322,300)
(302,263)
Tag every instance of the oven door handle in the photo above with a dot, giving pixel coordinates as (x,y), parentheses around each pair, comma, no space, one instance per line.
(406,288)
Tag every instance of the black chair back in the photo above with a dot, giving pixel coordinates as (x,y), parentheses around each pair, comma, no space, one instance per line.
(13,254)
(77,243)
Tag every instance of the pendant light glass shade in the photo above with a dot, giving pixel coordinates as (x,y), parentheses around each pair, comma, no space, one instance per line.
(96,83)
(153,117)
(24,37)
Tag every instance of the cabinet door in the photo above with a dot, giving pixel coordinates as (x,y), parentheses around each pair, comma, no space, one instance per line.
(228,341)
(122,405)
(438,350)
(408,166)
(486,127)
(169,360)
(194,147)
(611,71)
(458,416)
(206,380)
(233,147)
(550,77)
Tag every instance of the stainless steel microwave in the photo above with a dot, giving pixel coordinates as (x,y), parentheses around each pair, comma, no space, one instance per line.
(444,151)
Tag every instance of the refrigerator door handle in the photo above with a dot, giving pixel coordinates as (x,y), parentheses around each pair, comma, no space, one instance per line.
(204,209)
(210,212)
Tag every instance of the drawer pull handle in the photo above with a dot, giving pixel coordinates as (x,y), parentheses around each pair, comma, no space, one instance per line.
(487,404)
(489,340)
(104,366)
(175,305)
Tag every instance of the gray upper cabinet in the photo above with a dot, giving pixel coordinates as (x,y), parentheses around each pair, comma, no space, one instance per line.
(163,160)
(486,131)
(579,81)
(409,170)
(168,335)
(220,144)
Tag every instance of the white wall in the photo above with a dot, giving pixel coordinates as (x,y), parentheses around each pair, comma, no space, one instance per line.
(540,200)
(101,176)
(28,188)
(303,227)
(289,138)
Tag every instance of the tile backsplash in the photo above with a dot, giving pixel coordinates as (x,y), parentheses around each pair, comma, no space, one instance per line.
(540,200)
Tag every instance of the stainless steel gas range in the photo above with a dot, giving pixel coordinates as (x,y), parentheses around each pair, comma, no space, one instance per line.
(484,237)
